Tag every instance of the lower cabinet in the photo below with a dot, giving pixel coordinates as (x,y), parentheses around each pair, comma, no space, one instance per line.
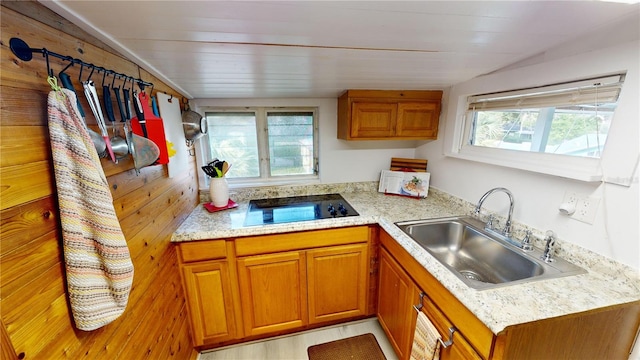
(273,292)
(337,282)
(253,287)
(290,290)
(399,297)
(210,301)
(396,293)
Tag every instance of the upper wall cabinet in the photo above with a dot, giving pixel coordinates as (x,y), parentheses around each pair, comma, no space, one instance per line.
(389,114)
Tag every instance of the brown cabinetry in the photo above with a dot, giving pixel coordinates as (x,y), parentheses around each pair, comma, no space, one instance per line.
(606,333)
(210,301)
(273,290)
(396,291)
(256,286)
(388,115)
(211,292)
(337,282)
(397,315)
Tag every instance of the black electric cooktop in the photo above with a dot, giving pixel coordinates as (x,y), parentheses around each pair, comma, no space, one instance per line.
(297,208)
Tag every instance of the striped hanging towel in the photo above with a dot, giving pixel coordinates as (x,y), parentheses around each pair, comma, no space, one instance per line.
(98,264)
(425,340)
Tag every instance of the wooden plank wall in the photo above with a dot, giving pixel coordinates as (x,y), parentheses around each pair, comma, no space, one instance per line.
(34,307)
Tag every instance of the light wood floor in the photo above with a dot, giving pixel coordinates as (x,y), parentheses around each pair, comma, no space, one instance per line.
(294,347)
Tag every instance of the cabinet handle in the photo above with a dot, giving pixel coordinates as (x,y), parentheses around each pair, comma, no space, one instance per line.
(445,344)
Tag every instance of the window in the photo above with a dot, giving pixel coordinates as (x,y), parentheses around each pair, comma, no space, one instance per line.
(565,119)
(265,143)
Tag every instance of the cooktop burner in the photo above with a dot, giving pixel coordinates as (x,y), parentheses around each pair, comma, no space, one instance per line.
(297,208)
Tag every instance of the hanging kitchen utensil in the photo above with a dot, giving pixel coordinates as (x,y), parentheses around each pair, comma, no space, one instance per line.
(149,125)
(140,119)
(143,151)
(98,141)
(194,126)
(121,106)
(118,143)
(154,106)
(92,96)
(127,102)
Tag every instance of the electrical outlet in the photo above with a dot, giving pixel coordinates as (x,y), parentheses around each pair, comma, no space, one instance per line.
(586,206)
(570,198)
(586,209)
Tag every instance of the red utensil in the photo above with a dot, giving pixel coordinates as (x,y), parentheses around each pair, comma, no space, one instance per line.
(150,126)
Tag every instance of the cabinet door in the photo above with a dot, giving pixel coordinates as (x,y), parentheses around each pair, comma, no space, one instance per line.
(396,294)
(418,119)
(273,292)
(373,120)
(210,301)
(337,282)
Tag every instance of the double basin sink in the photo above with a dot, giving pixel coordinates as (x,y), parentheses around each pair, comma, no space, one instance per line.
(482,258)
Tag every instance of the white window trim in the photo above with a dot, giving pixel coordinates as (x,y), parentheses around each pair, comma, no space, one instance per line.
(578,168)
(201,149)
(619,157)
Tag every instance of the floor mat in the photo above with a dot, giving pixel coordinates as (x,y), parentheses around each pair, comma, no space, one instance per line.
(361,347)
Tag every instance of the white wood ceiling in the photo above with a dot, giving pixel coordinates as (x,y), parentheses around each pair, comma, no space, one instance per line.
(239,49)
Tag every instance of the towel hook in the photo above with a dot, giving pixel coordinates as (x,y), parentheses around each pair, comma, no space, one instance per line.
(71,62)
(452,329)
(446,344)
(104,75)
(113,82)
(45,52)
(80,76)
(93,68)
(420,305)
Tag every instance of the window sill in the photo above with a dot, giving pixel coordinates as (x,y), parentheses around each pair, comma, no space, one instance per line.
(242,184)
(580,169)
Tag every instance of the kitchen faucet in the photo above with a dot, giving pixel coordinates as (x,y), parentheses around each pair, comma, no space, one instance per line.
(507,227)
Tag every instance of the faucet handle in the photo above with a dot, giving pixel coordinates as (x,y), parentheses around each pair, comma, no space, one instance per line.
(550,238)
(526,241)
(490,221)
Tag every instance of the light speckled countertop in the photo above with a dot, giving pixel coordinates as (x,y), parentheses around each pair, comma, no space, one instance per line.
(606,283)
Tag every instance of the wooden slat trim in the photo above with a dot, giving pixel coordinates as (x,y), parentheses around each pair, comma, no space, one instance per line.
(23,223)
(7,352)
(34,304)
(25,183)
(24,144)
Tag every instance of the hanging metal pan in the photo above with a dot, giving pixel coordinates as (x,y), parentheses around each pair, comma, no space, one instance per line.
(194,125)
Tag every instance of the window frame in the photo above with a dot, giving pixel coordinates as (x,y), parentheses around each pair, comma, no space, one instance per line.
(576,168)
(263,146)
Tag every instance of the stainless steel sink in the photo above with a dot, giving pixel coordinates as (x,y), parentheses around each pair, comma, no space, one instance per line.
(482,259)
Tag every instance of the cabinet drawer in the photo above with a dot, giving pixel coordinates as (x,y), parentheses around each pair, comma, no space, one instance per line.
(202,250)
(263,244)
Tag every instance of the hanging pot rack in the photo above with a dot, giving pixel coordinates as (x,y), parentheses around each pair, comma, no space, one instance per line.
(25,53)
